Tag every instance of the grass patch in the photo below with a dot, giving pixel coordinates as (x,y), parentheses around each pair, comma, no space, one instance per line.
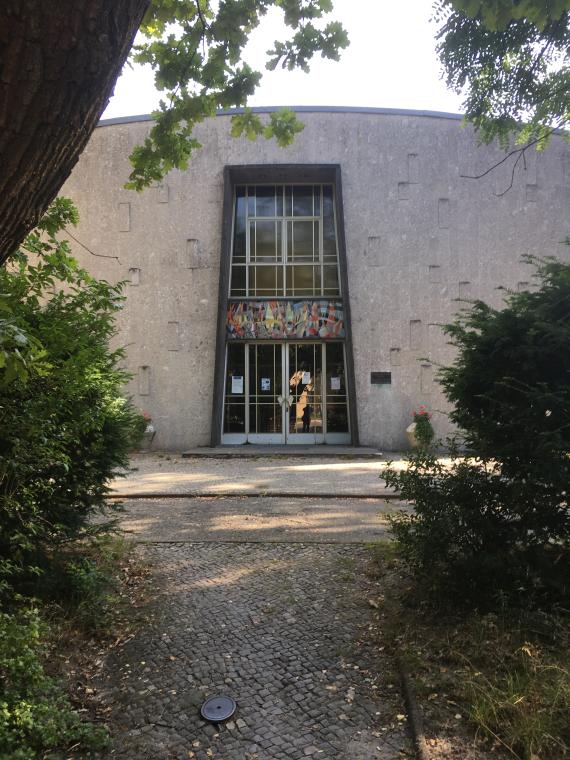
(53,646)
(497,681)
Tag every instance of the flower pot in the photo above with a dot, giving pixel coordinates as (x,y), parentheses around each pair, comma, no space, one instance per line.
(148,435)
(411,434)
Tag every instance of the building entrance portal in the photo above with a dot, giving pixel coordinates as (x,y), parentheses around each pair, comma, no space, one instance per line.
(284,369)
(278,393)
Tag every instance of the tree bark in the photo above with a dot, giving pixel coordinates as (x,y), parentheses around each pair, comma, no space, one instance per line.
(59,62)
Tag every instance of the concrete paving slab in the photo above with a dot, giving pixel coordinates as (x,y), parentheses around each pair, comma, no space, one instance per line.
(169,474)
(257,520)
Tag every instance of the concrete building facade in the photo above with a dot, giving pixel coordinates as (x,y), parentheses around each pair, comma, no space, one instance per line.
(296,295)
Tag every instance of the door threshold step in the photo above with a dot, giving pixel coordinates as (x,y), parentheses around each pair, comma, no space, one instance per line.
(336,496)
(251,451)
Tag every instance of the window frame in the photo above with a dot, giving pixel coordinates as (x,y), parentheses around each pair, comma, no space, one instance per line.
(285,260)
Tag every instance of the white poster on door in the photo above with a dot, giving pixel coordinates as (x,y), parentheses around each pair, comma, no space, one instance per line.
(306,379)
(265,383)
(237,384)
(335,383)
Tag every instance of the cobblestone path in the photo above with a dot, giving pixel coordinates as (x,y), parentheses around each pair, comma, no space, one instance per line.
(286,630)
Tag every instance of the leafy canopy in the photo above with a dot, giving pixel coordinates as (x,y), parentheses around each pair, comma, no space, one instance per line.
(508,57)
(510,60)
(195,49)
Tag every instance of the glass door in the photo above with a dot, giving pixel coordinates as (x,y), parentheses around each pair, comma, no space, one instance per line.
(265,399)
(305,402)
(279,393)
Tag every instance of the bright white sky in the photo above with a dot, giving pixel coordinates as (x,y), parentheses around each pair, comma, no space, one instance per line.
(391,63)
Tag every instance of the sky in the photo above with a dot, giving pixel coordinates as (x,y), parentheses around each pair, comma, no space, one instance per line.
(390,63)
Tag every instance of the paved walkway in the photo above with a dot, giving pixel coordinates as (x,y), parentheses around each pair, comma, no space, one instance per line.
(170,474)
(273,601)
(257,519)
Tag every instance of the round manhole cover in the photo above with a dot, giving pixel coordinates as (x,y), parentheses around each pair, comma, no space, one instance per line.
(217,709)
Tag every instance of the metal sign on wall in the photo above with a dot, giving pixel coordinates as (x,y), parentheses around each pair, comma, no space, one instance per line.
(285,319)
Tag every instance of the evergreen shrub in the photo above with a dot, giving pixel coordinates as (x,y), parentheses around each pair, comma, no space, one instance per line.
(497,524)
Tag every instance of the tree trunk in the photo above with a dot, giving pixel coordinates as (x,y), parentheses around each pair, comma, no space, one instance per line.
(58,64)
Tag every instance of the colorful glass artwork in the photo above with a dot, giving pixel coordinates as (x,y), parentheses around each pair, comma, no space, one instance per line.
(279,320)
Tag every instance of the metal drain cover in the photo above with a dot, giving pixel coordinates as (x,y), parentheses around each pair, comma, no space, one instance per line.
(218,709)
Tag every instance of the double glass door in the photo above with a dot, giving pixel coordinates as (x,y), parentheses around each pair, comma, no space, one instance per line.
(280,393)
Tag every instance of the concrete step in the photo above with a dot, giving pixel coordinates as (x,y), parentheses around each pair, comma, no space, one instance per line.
(249,451)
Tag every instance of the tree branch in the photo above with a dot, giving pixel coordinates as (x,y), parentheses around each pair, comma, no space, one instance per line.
(513,152)
(98,255)
(521,155)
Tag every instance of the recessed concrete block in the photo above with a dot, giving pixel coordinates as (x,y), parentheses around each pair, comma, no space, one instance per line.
(530,163)
(566,169)
(190,257)
(134,276)
(444,213)
(374,251)
(395,357)
(144,380)
(124,215)
(413,168)
(172,336)
(434,273)
(415,333)
(465,289)
(532,193)
(426,378)
(403,191)
(435,337)
(522,286)
(162,193)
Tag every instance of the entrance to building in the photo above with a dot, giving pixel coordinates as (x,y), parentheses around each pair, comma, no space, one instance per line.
(278,393)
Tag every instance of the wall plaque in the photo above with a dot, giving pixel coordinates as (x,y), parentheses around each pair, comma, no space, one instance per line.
(381,378)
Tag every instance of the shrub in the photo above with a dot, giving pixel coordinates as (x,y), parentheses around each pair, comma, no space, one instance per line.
(424,431)
(65,429)
(498,524)
(35,715)
(475,536)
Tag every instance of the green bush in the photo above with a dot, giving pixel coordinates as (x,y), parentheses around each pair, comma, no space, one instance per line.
(424,431)
(498,524)
(510,384)
(475,537)
(35,714)
(65,429)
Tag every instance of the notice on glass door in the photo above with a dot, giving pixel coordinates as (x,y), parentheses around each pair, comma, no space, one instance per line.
(306,379)
(335,383)
(265,383)
(237,384)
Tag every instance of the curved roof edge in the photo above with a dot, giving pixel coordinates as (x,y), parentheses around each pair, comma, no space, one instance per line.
(303,109)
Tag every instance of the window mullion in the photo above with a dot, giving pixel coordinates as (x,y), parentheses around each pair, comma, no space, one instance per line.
(321,245)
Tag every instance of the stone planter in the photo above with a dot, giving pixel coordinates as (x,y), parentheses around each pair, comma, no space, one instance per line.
(148,435)
(411,434)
